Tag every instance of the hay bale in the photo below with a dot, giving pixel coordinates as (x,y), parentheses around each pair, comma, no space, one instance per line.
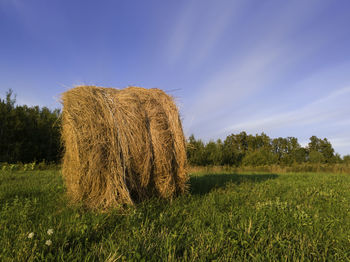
(121,146)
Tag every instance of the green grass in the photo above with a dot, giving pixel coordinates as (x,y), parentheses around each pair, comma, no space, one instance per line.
(256,217)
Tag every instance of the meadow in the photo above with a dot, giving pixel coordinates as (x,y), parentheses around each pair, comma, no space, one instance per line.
(250,216)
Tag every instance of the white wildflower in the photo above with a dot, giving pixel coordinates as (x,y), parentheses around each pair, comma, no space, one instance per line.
(31,235)
(50,231)
(48,242)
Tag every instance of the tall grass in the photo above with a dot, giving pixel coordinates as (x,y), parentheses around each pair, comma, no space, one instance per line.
(225,216)
(343,168)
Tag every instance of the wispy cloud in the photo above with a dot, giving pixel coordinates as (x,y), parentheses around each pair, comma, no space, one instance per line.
(197,30)
(181,33)
(322,110)
(223,16)
(324,117)
(253,67)
(244,77)
(342,144)
(236,80)
(254,70)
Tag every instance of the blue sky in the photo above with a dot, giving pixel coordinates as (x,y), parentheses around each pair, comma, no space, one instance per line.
(279,67)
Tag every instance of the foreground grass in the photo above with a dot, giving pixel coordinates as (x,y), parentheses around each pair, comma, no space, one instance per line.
(225,216)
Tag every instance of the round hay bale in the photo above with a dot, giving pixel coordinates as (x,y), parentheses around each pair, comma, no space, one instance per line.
(121,146)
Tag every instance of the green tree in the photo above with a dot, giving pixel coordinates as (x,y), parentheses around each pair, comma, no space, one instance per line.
(316,157)
(213,153)
(235,148)
(300,155)
(28,133)
(346,159)
(322,146)
(196,151)
(259,157)
(287,150)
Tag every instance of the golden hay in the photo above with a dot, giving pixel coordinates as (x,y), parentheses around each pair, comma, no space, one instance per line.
(121,146)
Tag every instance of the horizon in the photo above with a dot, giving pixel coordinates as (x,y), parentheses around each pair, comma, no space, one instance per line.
(273,67)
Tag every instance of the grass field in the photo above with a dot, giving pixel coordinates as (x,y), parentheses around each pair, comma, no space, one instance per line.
(257,217)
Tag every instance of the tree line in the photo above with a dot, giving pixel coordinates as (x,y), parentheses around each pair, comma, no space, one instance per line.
(28,134)
(248,150)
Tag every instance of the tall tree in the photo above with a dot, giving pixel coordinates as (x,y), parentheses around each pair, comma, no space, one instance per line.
(28,133)
(321,149)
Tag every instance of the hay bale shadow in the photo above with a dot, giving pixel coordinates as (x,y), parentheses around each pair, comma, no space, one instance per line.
(201,185)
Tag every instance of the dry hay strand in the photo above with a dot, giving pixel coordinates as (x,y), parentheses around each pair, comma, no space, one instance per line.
(121,146)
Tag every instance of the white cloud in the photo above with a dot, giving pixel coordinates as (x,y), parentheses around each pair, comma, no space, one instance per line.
(222,17)
(341,142)
(323,110)
(199,28)
(254,69)
(181,33)
(240,79)
(341,145)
